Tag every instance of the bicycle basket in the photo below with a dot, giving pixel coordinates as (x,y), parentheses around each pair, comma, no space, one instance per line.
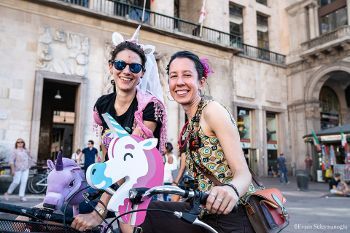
(17,226)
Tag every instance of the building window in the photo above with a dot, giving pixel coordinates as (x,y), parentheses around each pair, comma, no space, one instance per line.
(271,128)
(264,2)
(333,20)
(263,31)
(330,108)
(244,124)
(236,24)
(326,2)
(271,139)
(177,8)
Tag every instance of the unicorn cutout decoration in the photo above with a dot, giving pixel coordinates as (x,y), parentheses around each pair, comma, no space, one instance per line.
(133,158)
(64,180)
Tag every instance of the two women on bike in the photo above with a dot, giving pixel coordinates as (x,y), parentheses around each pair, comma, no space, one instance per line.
(210,140)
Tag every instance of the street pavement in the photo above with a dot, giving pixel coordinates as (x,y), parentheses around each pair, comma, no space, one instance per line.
(310,211)
(313,210)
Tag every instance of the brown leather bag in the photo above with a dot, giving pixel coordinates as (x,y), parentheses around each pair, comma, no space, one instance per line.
(266,212)
(264,207)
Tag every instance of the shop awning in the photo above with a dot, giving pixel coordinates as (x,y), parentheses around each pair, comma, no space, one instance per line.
(330,134)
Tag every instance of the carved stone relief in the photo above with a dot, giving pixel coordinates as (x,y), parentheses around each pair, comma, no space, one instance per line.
(107,77)
(63,52)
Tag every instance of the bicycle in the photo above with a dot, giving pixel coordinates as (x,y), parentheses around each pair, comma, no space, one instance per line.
(37,183)
(37,216)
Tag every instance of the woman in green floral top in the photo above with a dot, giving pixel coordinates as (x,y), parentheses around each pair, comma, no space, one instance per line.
(213,152)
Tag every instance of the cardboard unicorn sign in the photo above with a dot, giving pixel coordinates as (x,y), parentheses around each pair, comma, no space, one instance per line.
(133,158)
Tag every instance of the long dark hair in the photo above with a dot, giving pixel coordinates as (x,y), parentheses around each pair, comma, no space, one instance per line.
(193,57)
(169,147)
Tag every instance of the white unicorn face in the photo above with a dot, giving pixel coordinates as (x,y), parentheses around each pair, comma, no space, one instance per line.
(127,158)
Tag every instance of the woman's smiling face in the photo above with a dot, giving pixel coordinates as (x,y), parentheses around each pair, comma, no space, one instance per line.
(184,84)
(126,80)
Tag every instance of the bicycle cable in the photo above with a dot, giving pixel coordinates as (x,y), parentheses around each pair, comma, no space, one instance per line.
(134,211)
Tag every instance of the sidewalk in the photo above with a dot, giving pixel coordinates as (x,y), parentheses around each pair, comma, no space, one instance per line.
(316,189)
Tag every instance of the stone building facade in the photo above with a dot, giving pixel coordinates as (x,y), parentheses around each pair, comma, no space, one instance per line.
(318,69)
(53,48)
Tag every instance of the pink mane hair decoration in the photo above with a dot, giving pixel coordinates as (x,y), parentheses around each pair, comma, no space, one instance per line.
(207,70)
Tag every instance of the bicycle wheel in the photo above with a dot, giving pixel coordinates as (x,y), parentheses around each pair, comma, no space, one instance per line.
(38,184)
(29,187)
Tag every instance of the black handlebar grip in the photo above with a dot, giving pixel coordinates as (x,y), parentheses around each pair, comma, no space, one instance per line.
(203,198)
(41,214)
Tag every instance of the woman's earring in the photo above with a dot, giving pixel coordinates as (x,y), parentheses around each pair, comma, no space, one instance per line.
(169,97)
(113,82)
(201,93)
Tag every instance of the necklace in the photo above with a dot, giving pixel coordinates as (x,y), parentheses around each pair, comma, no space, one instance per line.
(183,138)
(187,130)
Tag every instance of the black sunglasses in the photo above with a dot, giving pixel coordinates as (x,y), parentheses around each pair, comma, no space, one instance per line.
(134,67)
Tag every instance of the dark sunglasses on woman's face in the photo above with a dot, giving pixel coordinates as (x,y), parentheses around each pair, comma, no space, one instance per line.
(134,67)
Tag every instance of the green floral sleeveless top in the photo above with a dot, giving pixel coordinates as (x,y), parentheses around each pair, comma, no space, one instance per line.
(204,152)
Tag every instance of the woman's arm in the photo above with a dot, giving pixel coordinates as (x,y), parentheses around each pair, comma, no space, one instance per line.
(181,169)
(223,198)
(149,124)
(83,222)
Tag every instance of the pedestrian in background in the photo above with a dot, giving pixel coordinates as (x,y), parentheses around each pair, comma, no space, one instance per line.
(20,162)
(90,154)
(338,187)
(308,165)
(281,164)
(77,156)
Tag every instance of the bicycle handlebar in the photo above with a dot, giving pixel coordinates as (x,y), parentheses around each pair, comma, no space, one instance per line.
(170,189)
(42,214)
(137,195)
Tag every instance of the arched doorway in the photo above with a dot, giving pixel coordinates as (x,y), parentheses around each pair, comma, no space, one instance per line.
(334,109)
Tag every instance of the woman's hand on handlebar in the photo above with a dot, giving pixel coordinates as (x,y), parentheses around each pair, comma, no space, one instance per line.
(221,200)
(84,222)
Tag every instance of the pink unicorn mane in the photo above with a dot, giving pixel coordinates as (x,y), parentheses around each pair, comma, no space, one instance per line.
(154,177)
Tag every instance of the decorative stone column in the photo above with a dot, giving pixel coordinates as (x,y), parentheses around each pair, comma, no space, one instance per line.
(317,23)
(313,19)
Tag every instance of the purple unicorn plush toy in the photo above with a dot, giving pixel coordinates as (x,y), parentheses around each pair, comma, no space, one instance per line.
(63,182)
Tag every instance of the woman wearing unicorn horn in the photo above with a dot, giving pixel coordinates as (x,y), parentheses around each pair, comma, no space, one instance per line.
(214,156)
(138,112)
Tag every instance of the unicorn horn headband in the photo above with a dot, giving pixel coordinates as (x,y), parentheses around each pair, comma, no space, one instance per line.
(135,37)
(150,81)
